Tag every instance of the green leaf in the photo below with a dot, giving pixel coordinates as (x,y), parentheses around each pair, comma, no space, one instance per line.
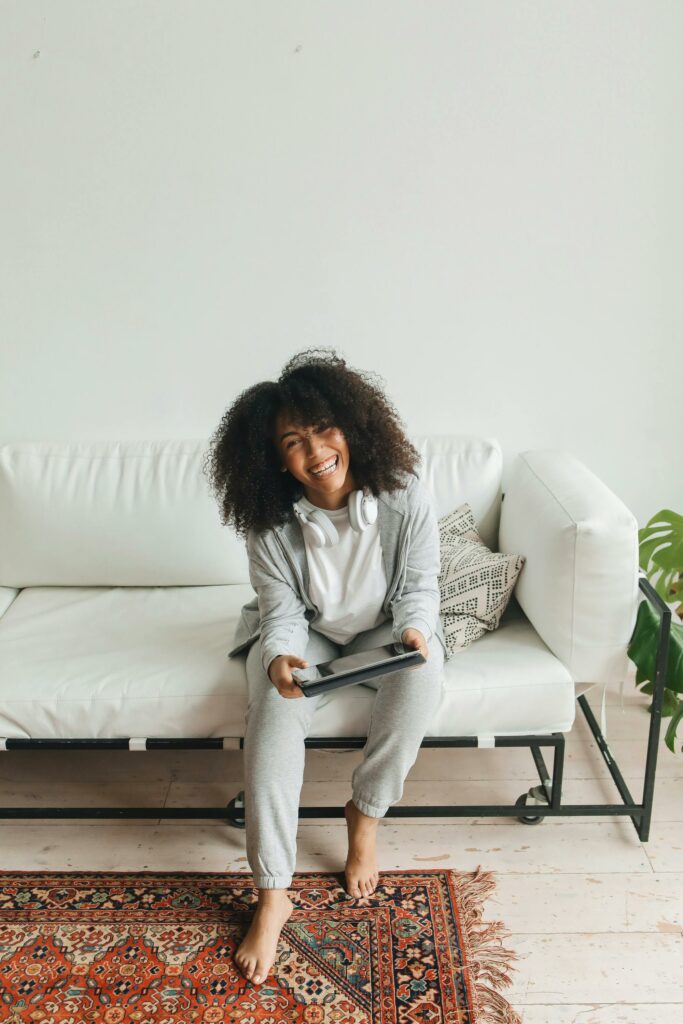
(661,553)
(640,676)
(642,648)
(670,737)
(669,704)
(649,688)
(661,542)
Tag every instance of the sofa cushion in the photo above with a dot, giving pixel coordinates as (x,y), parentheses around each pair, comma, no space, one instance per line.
(142,514)
(112,513)
(580,581)
(112,662)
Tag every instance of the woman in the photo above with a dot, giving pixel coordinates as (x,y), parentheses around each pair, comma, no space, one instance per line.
(317,474)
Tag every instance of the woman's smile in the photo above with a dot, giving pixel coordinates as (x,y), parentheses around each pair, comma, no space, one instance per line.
(326,468)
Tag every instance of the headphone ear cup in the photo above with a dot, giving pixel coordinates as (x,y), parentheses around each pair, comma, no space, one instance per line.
(353,506)
(323,531)
(370,509)
(362,506)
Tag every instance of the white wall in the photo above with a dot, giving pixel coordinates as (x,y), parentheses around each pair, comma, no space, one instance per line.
(480,201)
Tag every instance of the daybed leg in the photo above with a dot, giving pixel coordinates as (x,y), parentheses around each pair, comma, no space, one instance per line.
(236,810)
(656,709)
(538,795)
(541,769)
(558,768)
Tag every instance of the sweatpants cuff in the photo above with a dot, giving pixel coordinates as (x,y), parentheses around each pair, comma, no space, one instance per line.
(372,810)
(272,881)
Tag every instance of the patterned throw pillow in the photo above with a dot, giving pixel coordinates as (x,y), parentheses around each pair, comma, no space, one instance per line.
(475,583)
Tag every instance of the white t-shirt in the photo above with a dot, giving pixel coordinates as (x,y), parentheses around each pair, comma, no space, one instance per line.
(347,580)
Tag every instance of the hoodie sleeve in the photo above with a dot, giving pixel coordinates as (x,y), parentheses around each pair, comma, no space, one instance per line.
(284,627)
(420,600)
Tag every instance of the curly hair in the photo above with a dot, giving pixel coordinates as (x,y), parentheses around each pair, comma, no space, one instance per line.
(315,388)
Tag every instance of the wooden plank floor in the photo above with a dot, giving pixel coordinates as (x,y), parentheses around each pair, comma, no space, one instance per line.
(595,915)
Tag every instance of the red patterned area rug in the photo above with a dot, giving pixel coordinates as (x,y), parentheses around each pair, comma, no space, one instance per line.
(93,947)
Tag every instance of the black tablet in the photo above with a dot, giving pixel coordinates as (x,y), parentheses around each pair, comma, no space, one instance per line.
(348,669)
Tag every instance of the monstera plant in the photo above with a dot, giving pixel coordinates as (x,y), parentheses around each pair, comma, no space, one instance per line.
(661,559)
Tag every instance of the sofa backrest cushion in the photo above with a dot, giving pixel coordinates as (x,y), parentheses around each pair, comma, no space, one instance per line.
(141,513)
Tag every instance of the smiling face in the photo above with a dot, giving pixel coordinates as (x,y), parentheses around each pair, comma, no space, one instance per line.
(303,449)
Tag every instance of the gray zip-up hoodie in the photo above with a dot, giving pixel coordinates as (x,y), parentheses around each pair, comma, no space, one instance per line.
(282,609)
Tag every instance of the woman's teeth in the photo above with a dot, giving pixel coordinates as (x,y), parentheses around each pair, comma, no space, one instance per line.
(327,472)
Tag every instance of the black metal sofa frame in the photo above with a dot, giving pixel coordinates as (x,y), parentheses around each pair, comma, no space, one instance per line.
(547,797)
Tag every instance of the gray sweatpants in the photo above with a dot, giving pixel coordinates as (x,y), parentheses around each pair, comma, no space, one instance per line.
(274,749)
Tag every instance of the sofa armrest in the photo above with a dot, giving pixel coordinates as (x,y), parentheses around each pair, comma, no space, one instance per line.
(579,584)
(7,595)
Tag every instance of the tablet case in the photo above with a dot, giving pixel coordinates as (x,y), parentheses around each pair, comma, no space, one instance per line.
(408,659)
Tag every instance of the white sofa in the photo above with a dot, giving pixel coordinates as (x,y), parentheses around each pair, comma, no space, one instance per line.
(120,592)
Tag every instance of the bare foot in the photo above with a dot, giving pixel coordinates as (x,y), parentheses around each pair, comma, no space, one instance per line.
(361,863)
(257,950)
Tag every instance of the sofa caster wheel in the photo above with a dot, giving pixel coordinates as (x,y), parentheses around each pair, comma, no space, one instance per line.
(236,807)
(529,819)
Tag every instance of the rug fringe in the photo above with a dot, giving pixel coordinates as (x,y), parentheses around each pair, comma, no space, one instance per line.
(488,962)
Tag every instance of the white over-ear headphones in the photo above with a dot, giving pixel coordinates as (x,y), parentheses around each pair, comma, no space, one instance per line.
(322,533)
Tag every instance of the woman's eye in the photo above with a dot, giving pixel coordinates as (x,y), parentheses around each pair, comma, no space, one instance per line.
(323,429)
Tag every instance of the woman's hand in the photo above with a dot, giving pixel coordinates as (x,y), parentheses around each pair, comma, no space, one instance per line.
(414,638)
(280,675)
